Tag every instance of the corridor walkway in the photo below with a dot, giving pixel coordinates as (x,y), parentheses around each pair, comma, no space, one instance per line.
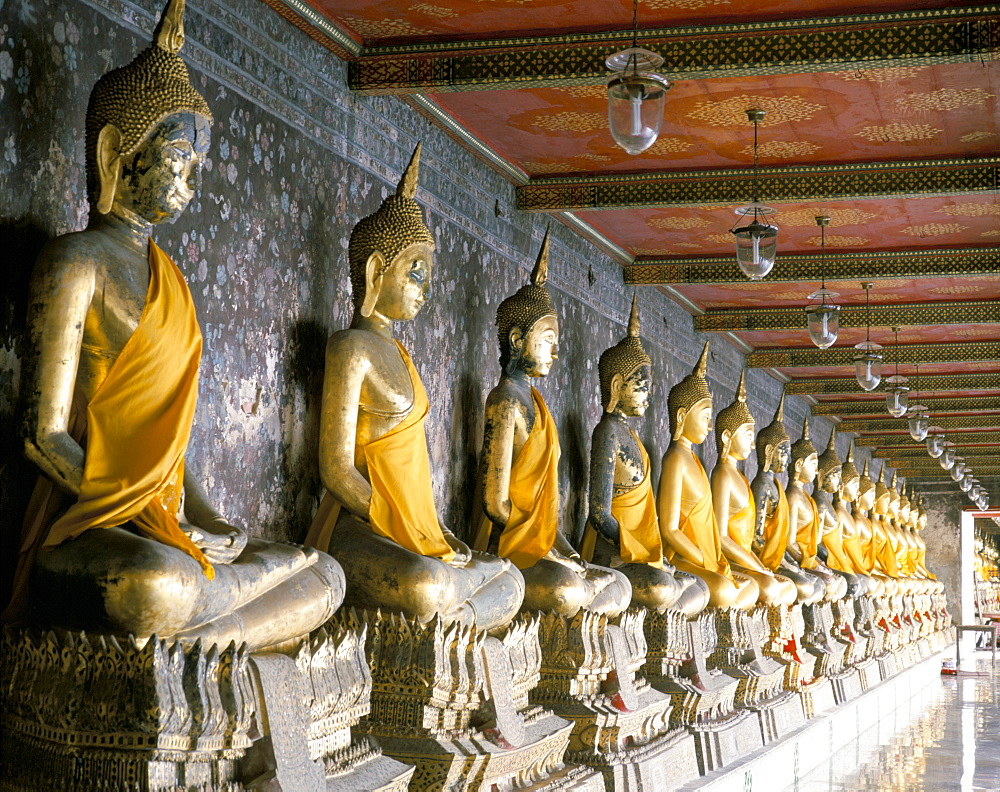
(946,738)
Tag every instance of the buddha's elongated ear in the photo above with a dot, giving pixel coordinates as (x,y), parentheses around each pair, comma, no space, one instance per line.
(109,166)
(615,392)
(374,268)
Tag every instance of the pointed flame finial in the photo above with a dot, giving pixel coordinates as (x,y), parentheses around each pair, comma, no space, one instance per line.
(169,33)
(832,444)
(779,414)
(850,451)
(540,273)
(633,319)
(407,187)
(701,367)
(864,472)
(741,389)
(805,429)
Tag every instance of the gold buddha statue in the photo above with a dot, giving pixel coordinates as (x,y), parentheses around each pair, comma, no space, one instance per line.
(774,448)
(622,529)
(865,532)
(120,537)
(921,524)
(685,509)
(841,542)
(883,553)
(378,515)
(520,466)
(803,516)
(896,543)
(735,511)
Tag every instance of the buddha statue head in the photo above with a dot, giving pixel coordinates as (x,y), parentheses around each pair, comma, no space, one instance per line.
(734,426)
(690,404)
(882,496)
(624,371)
(850,481)
(804,457)
(829,469)
(774,446)
(391,254)
(866,490)
(147,131)
(527,325)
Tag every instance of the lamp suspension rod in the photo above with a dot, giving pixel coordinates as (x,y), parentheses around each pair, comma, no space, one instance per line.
(635,23)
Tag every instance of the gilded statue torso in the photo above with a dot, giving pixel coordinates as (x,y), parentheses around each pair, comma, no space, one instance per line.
(629,471)
(514,395)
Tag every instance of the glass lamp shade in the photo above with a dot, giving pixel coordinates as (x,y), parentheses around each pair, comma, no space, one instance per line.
(868,365)
(823,318)
(919,422)
(947,459)
(635,98)
(756,242)
(966,483)
(935,443)
(984,501)
(958,470)
(897,396)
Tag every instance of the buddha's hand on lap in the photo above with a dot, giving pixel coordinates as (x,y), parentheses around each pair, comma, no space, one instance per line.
(462,552)
(219,541)
(573,560)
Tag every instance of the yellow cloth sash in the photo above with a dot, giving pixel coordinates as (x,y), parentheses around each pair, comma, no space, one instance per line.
(807,537)
(884,550)
(139,422)
(834,543)
(638,527)
(534,493)
(741,524)
(854,551)
(700,526)
(399,469)
(866,546)
(776,533)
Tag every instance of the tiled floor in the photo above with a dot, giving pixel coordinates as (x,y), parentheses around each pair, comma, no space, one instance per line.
(948,738)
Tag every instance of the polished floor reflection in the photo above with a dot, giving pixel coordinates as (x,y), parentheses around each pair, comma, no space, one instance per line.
(947,739)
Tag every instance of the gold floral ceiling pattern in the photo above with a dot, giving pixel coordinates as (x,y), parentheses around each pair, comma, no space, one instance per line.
(934,229)
(571,121)
(838,240)
(782,149)
(679,223)
(944,100)
(732,112)
(881,76)
(971,210)
(898,132)
(839,216)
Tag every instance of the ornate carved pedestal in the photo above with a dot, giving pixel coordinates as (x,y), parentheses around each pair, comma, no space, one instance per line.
(761,688)
(827,653)
(97,713)
(703,698)
(621,725)
(454,702)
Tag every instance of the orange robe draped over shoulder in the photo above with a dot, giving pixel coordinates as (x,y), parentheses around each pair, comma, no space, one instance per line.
(534,493)
(699,525)
(399,470)
(639,539)
(741,524)
(776,529)
(807,537)
(139,422)
(833,540)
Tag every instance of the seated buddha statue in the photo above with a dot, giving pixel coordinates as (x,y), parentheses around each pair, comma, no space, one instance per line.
(733,501)
(120,537)
(907,520)
(774,447)
(937,586)
(896,542)
(685,509)
(803,516)
(882,549)
(843,547)
(378,515)
(622,530)
(865,533)
(520,466)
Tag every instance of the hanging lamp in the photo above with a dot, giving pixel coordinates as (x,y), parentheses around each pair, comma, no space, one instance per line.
(947,458)
(958,469)
(967,480)
(897,392)
(919,419)
(868,360)
(823,317)
(935,441)
(756,242)
(635,94)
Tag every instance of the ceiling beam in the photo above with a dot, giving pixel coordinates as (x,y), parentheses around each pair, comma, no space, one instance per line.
(905,441)
(908,38)
(903,315)
(901,179)
(844,266)
(898,425)
(981,404)
(810,357)
(925,384)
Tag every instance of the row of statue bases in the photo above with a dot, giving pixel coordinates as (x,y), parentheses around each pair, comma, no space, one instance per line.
(154,647)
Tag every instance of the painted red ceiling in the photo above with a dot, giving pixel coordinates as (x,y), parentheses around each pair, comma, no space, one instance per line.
(905,113)
(394,22)
(926,369)
(931,334)
(892,224)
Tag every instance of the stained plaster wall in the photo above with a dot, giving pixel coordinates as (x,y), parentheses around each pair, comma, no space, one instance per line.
(944,545)
(296,160)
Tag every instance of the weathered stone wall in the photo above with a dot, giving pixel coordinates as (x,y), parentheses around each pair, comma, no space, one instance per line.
(943,538)
(296,160)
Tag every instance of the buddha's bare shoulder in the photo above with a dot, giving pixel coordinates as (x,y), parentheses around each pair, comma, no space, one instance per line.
(510,395)
(353,344)
(68,255)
